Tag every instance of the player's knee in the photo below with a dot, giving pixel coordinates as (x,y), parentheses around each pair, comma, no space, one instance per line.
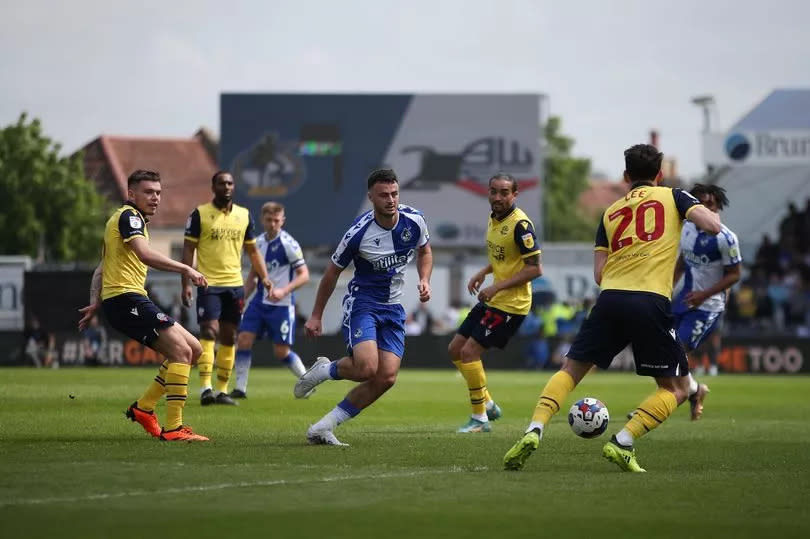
(182,353)
(454,349)
(196,350)
(366,371)
(386,381)
(244,341)
(468,352)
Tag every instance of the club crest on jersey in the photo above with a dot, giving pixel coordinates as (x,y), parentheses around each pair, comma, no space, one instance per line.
(162,317)
(528,240)
(406,235)
(135,221)
(504,230)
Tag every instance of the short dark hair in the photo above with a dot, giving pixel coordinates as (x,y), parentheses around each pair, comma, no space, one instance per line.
(382,175)
(719,194)
(642,162)
(507,177)
(142,176)
(216,175)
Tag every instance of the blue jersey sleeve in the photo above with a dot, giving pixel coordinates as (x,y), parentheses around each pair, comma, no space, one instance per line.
(130,225)
(683,201)
(193,226)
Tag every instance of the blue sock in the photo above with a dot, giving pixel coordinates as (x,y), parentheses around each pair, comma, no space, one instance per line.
(349,408)
(333,371)
(242,367)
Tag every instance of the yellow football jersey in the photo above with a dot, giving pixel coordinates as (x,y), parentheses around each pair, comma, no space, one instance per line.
(640,233)
(509,241)
(122,270)
(219,235)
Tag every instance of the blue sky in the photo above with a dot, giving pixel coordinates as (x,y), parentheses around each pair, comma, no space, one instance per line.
(611,70)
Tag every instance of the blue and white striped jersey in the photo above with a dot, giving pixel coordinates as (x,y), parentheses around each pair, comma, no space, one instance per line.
(282,255)
(705,257)
(380,255)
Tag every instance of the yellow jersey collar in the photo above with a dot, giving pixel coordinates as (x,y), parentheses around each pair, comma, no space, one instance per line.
(505,215)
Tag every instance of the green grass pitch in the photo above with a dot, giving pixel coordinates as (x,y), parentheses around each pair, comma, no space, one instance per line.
(77,468)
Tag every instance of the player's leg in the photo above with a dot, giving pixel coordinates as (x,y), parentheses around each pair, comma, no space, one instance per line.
(598,341)
(659,354)
(472,369)
(180,349)
(360,333)
(209,307)
(284,325)
(244,358)
(695,329)
(232,303)
(715,345)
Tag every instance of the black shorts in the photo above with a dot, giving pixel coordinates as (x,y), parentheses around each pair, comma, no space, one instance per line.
(642,319)
(224,303)
(489,326)
(136,316)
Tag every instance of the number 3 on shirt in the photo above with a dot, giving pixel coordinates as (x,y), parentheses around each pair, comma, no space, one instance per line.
(626,215)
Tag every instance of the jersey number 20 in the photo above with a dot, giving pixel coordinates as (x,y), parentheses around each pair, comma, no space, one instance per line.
(626,216)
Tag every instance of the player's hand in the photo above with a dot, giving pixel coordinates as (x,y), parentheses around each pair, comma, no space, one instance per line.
(487,293)
(475,283)
(696,298)
(87,315)
(424,291)
(313,327)
(186,296)
(276,294)
(197,278)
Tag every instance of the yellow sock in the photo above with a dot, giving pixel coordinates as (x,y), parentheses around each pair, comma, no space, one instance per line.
(487,395)
(225,359)
(473,373)
(176,393)
(155,390)
(652,412)
(553,396)
(206,362)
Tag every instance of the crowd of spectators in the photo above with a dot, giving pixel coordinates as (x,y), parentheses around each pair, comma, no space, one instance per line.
(774,295)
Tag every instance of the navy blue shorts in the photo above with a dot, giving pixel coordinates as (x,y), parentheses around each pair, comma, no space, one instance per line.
(489,326)
(642,319)
(223,303)
(275,321)
(136,316)
(695,325)
(368,321)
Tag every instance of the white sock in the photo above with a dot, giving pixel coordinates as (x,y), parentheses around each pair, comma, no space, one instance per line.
(242,368)
(625,438)
(295,364)
(693,385)
(481,417)
(536,425)
(331,420)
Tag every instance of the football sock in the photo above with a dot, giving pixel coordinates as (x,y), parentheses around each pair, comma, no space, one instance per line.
(341,413)
(242,367)
(294,363)
(473,373)
(206,364)
(328,371)
(553,396)
(693,385)
(176,392)
(224,363)
(155,390)
(652,412)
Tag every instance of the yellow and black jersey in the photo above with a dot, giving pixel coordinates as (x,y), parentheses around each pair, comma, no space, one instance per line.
(219,235)
(641,233)
(122,270)
(510,240)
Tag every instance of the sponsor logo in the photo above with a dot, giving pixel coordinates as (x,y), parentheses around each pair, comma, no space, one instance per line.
(162,317)
(134,311)
(391,261)
(528,240)
(358,333)
(737,147)
(377,242)
(135,222)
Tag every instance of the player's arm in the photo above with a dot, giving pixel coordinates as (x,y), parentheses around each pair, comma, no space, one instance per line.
(730,253)
(532,269)
(679,269)
(600,252)
(475,282)
(424,267)
(191,237)
(153,259)
(689,208)
(95,297)
(325,289)
(250,283)
(258,266)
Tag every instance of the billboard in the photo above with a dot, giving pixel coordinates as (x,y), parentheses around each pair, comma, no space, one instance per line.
(12,271)
(784,147)
(313,152)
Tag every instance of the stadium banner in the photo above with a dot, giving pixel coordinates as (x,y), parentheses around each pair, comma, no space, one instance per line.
(763,355)
(313,153)
(12,277)
(772,147)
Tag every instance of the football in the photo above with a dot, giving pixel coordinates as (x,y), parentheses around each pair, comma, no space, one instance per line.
(588,417)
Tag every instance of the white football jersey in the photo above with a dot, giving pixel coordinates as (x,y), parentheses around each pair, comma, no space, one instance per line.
(282,255)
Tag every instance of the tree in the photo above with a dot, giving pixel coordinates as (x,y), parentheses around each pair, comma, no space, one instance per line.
(48,209)
(566,177)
